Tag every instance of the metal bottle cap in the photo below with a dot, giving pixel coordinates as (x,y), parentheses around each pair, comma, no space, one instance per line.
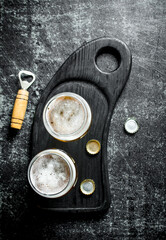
(87,186)
(93,146)
(131,126)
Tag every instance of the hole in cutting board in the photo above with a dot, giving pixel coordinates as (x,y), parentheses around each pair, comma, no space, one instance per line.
(107,59)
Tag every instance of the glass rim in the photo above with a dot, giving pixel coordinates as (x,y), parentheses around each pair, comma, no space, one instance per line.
(79,132)
(72,168)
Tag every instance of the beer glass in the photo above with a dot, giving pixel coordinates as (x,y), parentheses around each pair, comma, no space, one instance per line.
(67,116)
(52,173)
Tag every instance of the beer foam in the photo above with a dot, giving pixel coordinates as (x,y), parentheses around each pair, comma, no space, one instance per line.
(65,115)
(50,174)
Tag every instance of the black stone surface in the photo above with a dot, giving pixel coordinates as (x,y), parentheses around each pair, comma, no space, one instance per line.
(39,35)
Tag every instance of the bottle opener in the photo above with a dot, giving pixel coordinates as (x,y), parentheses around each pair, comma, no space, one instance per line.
(21,101)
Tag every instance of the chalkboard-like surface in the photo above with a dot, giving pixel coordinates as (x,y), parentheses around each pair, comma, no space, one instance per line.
(80,74)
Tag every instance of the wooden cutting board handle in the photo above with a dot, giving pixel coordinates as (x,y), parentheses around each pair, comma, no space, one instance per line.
(19,109)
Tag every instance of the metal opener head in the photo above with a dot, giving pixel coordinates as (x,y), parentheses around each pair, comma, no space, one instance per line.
(26,84)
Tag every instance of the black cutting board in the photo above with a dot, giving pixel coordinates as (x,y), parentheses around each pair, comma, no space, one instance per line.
(80,74)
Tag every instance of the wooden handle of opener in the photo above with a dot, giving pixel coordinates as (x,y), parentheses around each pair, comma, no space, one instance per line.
(19,109)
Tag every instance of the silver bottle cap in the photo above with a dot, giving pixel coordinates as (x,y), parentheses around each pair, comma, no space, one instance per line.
(131,125)
(87,186)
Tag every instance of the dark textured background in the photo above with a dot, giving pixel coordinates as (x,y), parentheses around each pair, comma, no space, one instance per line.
(38,36)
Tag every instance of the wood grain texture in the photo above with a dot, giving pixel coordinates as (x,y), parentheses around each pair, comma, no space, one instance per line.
(79,74)
(19,109)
